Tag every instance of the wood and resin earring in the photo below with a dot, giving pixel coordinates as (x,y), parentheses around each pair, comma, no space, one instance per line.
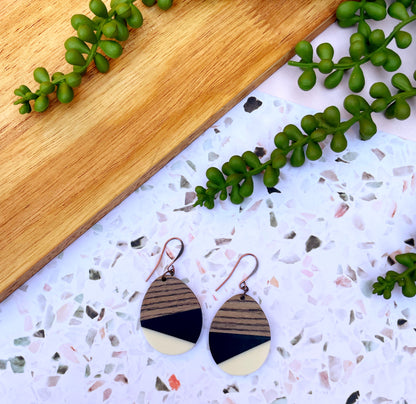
(170,316)
(239,337)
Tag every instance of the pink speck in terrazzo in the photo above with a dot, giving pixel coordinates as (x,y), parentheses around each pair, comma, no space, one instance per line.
(200,267)
(341,210)
(393,209)
(358,222)
(343,281)
(121,378)
(28,325)
(119,354)
(34,346)
(323,377)
(53,381)
(96,385)
(64,312)
(307,273)
(107,394)
(230,254)
(67,352)
(274,282)
(46,287)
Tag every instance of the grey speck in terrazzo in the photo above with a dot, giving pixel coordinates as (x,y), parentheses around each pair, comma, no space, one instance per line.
(139,242)
(18,364)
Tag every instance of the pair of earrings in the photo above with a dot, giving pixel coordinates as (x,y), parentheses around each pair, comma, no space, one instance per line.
(171,321)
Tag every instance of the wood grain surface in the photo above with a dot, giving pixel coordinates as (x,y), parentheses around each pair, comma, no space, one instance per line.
(241,316)
(167,295)
(63,170)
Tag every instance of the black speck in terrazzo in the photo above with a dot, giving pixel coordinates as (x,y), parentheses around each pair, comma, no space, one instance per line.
(410,241)
(216,130)
(290,236)
(187,208)
(101,316)
(91,313)
(283,352)
(134,296)
(231,389)
(62,369)
(39,334)
(312,242)
(340,160)
(379,337)
(139,243)
(259,152)
(352,317)
(252,104)
(94,275)
(210,252)
(160,386)
(297,338)
(343,196)
(273,190)
(222,241)
(390,260)
(353,398)
(114,340)
(56,356)
(401,322)
(367,176)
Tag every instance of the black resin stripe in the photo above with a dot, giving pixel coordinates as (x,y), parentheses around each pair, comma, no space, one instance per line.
(185,325)
(225,346)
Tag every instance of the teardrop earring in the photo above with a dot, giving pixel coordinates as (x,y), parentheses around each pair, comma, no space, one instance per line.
(239,337)
(170,316)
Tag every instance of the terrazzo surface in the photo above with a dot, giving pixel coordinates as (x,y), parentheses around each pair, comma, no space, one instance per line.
(322,236)
(72,333)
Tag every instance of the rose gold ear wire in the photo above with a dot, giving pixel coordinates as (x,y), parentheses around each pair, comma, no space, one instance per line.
(242,285)
(170,269)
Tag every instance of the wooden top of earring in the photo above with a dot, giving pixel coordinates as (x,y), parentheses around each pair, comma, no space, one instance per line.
(167,295)
(241,316)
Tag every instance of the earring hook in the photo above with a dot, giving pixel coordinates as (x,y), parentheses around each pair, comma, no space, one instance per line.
(170,269)
(242,285)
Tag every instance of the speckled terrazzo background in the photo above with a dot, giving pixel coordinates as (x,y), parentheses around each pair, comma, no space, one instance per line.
(72,333)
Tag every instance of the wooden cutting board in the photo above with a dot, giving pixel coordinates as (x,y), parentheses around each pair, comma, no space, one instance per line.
(61,171)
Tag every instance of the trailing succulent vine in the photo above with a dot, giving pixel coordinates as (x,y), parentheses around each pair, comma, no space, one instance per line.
(295,144)
(406,280)
(88,46)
